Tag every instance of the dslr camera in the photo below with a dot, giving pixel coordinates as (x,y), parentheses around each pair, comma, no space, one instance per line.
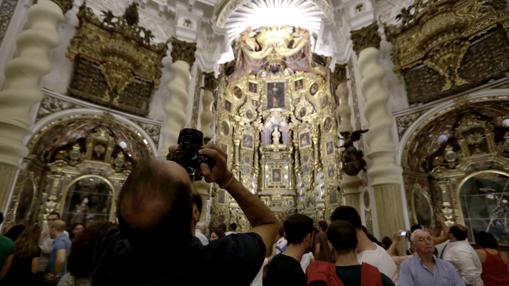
(189,142)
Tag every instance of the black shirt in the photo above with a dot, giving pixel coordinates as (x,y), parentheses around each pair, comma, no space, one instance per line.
(351,276)
(284,270)
(232,260)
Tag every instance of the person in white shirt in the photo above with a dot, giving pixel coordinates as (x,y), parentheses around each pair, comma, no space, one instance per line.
(199,232)
(367,251)
(463,256)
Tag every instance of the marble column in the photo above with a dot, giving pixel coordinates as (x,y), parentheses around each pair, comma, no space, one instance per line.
(383,172)
(182,54)
(350,185)
(22,90)
(206,116)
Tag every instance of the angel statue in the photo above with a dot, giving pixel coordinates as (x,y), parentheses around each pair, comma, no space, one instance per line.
(352,158)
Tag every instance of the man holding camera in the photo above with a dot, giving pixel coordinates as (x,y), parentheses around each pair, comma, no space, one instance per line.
(154,245)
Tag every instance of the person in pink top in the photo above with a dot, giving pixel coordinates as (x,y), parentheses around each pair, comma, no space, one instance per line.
(495,264)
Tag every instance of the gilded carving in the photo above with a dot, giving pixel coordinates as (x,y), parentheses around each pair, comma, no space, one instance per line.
(437,36)
(452,145)
(183,51)
(115,62)
(275,118)
(366,37)
(65,5)
(404,121)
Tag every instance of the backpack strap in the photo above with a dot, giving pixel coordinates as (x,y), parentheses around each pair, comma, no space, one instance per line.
(324,272)
(370,275)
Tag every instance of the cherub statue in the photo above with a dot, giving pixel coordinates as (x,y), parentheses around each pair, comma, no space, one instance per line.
(352,158)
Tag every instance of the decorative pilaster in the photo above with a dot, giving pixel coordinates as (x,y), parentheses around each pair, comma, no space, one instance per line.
(22,85)
(383,172)
(206,116)
(182,54)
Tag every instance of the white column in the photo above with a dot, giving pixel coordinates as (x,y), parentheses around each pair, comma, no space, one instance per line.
(381,149)
(206,116)
(383,172)
(22,91)
(178,94)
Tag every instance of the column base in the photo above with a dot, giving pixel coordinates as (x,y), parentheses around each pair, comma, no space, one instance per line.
(389,209)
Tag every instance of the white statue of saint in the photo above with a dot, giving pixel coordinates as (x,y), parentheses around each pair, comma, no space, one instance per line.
(276,135)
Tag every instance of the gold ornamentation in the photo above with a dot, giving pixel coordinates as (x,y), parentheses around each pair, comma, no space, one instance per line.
(366,37)
(182,51)
(123,53)
(65,5)
(438,34)
(277,124)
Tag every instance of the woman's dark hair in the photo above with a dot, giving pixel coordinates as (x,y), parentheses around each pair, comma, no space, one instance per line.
(14,232)
(322,225)
(82,250)
(486,240)
(27,244)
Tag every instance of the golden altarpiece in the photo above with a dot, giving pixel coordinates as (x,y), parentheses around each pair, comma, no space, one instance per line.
(79,161)
(456,160)
(275,119)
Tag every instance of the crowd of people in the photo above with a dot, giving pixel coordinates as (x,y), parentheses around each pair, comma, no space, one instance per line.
(159,240)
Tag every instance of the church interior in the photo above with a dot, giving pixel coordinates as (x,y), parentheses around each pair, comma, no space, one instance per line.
(397,108)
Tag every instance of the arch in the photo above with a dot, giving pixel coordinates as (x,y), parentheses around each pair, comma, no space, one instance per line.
(75,114)
(445,107)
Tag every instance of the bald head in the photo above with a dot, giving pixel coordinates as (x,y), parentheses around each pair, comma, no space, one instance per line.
(155,193)
(56,227)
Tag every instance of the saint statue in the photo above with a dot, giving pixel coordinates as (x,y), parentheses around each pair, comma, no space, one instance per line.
(276,135)
(80,212)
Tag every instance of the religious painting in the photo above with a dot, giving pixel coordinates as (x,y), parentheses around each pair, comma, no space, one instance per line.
(249,114)
(324,101)
(253,87)
(275,94)
(88,201)
(227,106)
(329,147)
(221,197)
(299,84)
(247,141)
(302,112)
(313,89)
(276,175)
(327,125)
(237,92)
(225,128)
(330,171)
(333,197)
(305,140)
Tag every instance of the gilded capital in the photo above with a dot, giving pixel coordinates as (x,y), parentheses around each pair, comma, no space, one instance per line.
(65,5)
(183,51)
(366,37)
(210,82)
